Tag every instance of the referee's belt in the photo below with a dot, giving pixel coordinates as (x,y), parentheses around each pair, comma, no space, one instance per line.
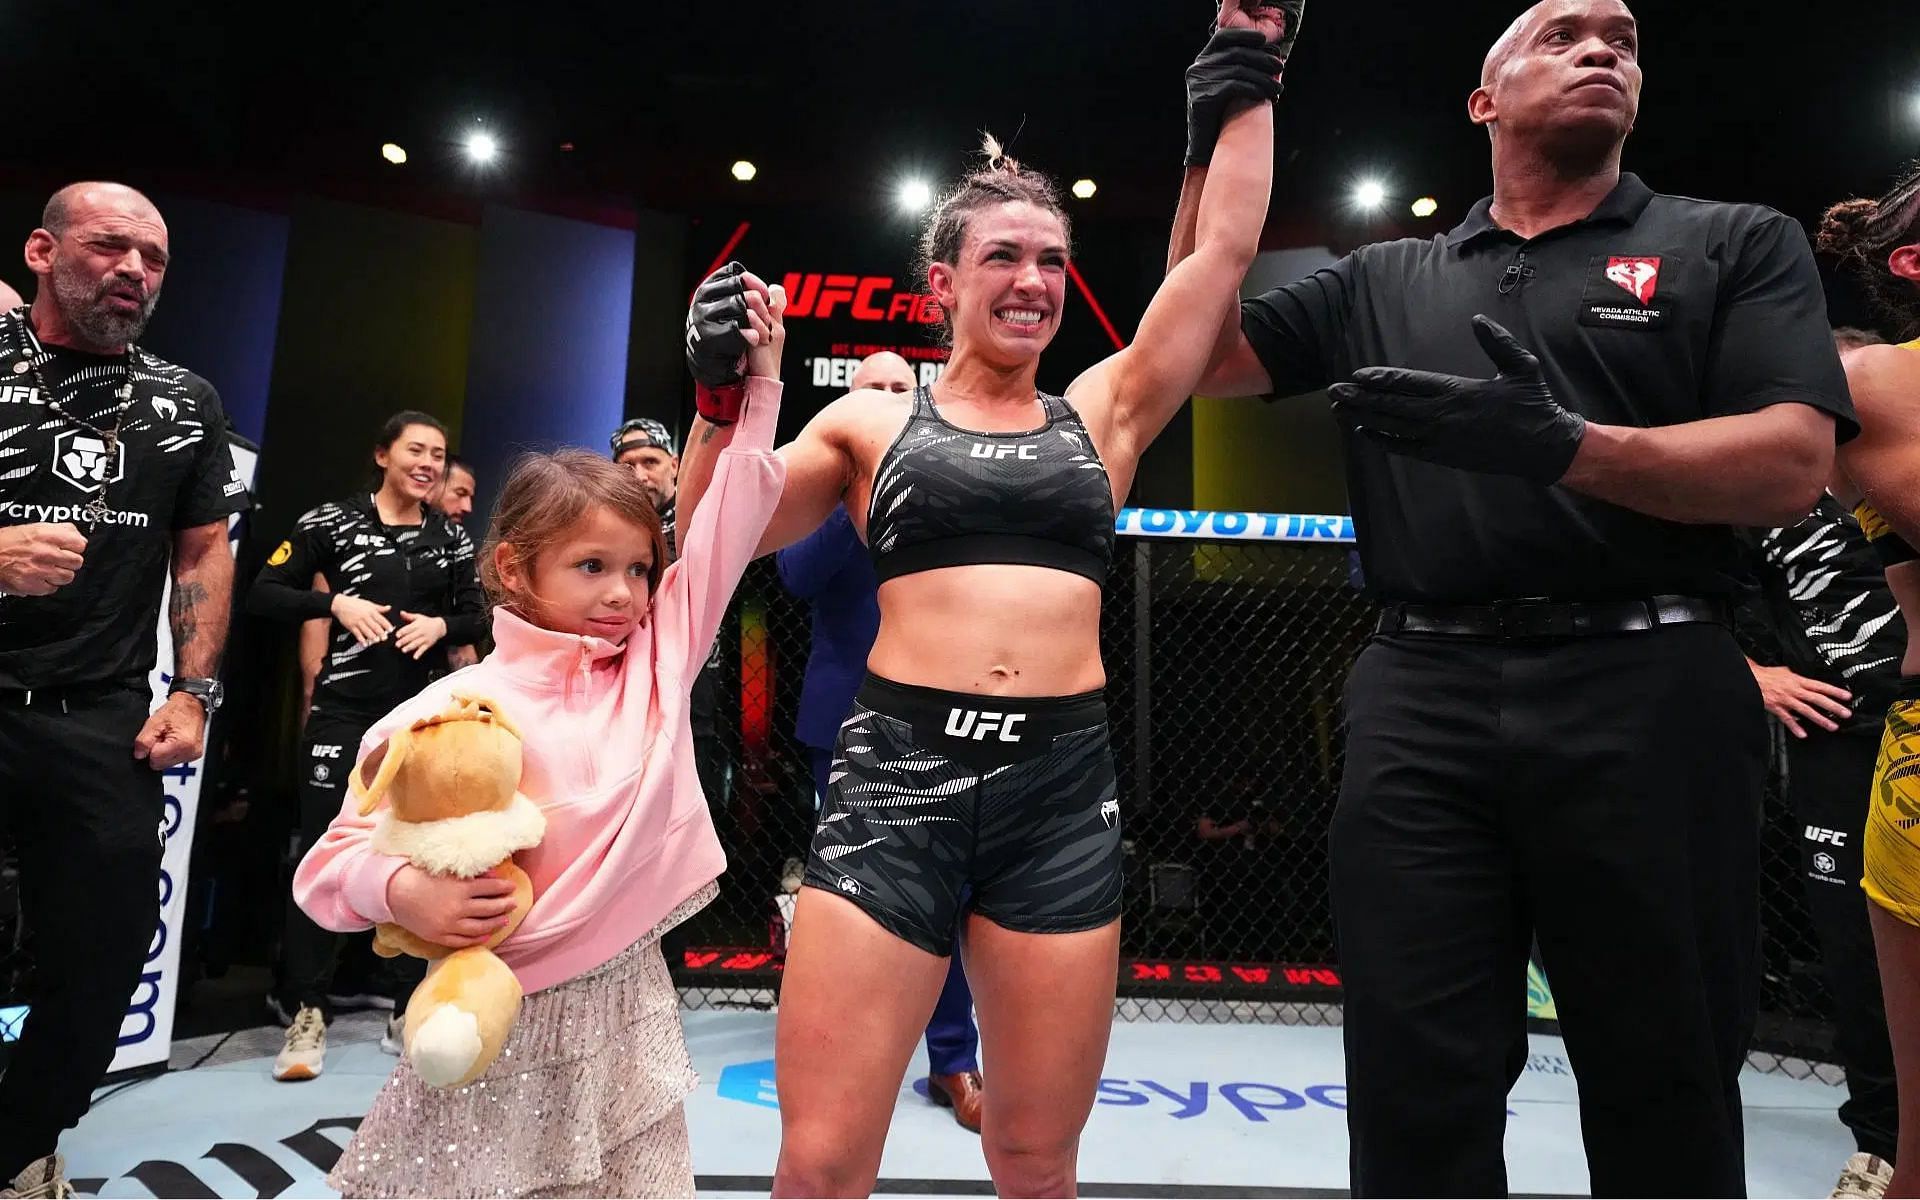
(1537,617)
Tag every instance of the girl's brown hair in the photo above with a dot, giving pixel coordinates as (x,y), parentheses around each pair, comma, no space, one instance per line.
(546,495)
(1002,180)
(1862,233)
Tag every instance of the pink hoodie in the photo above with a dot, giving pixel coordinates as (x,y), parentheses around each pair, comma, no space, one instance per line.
(608,752)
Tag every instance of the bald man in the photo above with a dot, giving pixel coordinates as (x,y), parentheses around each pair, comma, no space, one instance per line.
(1556,415)
(117,476)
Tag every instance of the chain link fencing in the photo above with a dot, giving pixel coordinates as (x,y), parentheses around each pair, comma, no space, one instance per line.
(1227,639)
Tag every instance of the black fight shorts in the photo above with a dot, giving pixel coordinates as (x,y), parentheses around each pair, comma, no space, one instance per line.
(1005,804)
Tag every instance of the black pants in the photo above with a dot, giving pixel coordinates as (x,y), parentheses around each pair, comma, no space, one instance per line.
(1603,793)
(308,953)
(1829,780)
(85,817)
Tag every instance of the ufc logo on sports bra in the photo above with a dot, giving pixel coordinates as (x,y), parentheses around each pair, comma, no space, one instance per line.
(989,450)
(965,723)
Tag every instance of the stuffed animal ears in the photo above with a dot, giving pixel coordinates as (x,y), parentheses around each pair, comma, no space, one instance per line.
(395,754)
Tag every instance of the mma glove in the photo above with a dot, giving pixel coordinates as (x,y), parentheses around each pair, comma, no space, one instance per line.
(717,344)
(1507,425)
(1238,66)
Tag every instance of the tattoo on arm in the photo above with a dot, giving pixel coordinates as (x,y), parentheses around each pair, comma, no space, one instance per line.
(184,612)
(710,432)
(202,600)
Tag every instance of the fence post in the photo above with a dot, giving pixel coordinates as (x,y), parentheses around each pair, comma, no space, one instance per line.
(1143,674)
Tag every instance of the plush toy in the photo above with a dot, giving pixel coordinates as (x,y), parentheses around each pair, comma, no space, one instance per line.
(451,786)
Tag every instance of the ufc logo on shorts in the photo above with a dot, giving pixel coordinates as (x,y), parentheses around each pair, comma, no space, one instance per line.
(985,450)
(965,723)
(326,751)
(1830,837)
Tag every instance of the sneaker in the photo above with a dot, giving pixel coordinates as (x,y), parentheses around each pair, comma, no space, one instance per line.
(1865,1177)
(43,1177)
(792,875)
(305,1053)
(355,1001)
(393,1041)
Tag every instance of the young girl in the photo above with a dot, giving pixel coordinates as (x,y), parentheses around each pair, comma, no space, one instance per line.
(597,643)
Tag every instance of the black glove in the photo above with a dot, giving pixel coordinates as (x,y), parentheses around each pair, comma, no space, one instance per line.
(1296,11)
(1507,425)
(1237,65)
(716,324)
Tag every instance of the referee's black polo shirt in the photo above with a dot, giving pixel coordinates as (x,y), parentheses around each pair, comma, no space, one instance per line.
(1655,310)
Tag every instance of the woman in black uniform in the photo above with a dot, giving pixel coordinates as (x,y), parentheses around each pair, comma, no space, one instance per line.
(401,581)
(974,779)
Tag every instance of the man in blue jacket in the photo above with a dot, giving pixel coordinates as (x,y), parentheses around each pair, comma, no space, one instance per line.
(830,570)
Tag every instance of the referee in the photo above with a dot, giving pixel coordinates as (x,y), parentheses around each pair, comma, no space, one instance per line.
(1554,414)
(114,476)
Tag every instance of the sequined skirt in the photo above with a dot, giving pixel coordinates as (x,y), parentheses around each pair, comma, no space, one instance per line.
(584,1100)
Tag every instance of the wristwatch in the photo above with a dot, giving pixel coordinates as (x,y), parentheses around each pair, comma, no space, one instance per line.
(209,692)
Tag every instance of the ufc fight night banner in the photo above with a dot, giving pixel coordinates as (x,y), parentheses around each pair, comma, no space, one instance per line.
(853,289)
(146,1034)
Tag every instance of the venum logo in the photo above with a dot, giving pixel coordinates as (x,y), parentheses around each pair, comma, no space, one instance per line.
(1110,812)
(80,457)
(165,408)
(1640,277)
(979,726)
(988,450)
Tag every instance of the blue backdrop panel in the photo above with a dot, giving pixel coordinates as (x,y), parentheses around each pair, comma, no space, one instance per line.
(220,311)
(548,363)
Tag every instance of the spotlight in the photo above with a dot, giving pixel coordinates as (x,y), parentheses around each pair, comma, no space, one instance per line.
(393,154)
(744,171)
(915,194)
(482,148)
(1085,188)
(1425,206)
(1370,195)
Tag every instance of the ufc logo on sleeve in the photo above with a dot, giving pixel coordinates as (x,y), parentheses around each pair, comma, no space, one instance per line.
(326,751)
(979,726)
(1830,837)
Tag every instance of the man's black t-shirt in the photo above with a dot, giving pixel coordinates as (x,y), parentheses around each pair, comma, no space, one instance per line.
(173,472)
(1655,310)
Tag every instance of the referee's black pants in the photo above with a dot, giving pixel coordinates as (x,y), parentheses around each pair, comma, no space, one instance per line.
(1602,793)
(1830,781)
(85,818)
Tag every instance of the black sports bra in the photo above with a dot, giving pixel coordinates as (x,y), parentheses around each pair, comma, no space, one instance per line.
(950,497)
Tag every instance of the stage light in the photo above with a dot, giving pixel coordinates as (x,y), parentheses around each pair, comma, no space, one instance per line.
(1425,206)
(915,194)
(1370,195)
(744,171)
(481,147)
(1085,188)
(393,154)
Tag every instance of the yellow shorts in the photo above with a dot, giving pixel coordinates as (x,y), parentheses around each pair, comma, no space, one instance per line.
(1892,847)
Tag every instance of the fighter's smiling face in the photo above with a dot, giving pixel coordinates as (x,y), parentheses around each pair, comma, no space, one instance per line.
(1005,292)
